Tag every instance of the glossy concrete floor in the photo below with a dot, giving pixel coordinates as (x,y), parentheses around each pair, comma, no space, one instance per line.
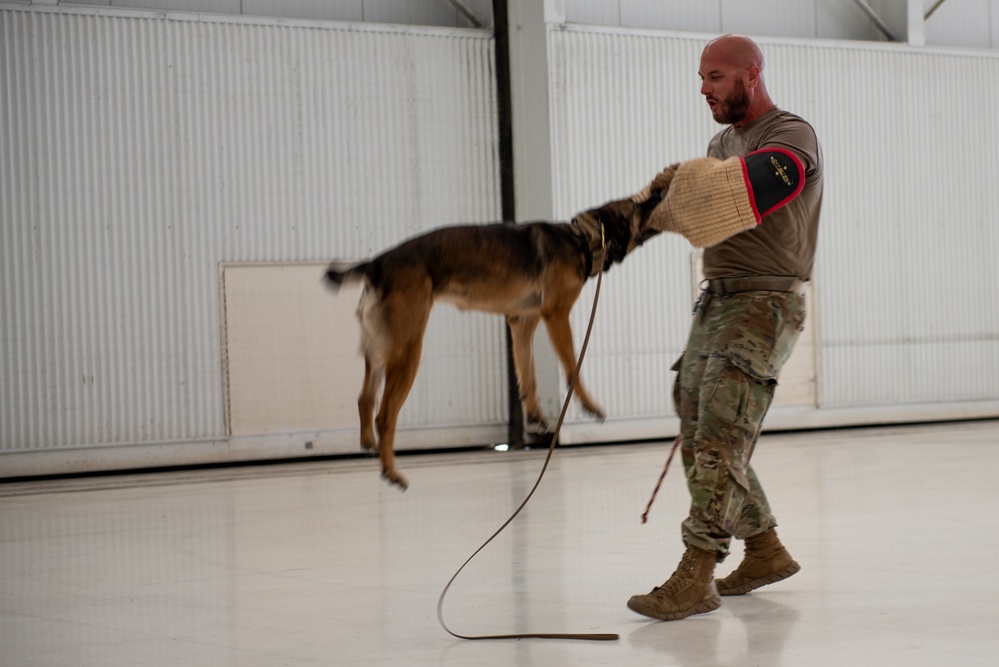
(897,531)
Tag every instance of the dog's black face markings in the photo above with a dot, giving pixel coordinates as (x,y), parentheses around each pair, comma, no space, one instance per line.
(618,237)
(624,226)
(645,210)
(647,206)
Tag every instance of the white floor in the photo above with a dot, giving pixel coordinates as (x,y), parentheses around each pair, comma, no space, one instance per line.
(896,529)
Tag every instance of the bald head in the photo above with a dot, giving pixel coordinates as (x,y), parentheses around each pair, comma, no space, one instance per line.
(737,50)
(731,74)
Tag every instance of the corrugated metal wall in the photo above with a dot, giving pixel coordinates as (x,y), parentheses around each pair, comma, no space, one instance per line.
(620,113)
(906,281)
(909,282)
(142,150)
(968,23)
(803,18)
(410,12)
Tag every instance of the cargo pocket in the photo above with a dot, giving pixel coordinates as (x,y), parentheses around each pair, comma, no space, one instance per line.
(742,396)
(762,348)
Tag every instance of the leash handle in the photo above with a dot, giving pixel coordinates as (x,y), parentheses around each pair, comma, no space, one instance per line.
(551,449)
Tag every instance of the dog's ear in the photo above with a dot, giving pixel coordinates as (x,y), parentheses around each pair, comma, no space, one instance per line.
(664,178)
(656,190)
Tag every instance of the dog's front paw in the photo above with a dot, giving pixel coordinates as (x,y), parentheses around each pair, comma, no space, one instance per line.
(596,412)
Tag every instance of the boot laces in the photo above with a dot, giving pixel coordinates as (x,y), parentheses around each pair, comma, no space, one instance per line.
(682,577)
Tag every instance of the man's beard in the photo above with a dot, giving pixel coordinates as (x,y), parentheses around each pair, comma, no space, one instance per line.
(734,107)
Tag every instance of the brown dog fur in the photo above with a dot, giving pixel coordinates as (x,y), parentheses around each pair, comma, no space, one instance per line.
(529,272)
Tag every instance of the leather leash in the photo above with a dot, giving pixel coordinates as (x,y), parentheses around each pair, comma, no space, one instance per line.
(655,491)
(551,449)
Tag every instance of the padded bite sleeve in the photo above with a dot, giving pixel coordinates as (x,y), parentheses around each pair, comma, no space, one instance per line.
(710,200)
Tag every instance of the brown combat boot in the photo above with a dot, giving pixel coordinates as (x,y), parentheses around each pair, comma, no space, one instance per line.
(766,562)
(691,590)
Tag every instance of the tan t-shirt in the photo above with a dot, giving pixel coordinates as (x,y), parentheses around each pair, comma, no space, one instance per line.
(784,242)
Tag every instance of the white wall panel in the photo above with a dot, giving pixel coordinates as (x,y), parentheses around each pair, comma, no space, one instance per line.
(965,23)
(343,10)
(905,283)
(625,105)
(411,12)
(671,15)
(908,277)
(772,18)
(835,19)
(140,151)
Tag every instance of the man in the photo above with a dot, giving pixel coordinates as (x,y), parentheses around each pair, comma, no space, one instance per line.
(745,324)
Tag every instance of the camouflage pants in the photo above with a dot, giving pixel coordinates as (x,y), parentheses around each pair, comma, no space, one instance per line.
(725,382)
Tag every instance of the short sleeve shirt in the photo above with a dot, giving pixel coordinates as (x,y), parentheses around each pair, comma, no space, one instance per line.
(783,244)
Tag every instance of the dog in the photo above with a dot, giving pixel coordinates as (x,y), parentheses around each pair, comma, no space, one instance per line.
(529,272)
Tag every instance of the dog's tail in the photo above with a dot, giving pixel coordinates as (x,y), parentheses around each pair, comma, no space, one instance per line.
(337,275)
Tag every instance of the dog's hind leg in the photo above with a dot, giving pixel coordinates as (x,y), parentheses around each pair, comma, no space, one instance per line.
(398,381)
(560,334)
(406,316)
(373,376)
(522,328)
(370,317)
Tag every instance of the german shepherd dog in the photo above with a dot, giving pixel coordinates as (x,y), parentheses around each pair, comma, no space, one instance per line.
(529,272)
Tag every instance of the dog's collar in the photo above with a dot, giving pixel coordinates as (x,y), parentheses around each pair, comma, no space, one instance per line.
(583,243)
(591,232)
